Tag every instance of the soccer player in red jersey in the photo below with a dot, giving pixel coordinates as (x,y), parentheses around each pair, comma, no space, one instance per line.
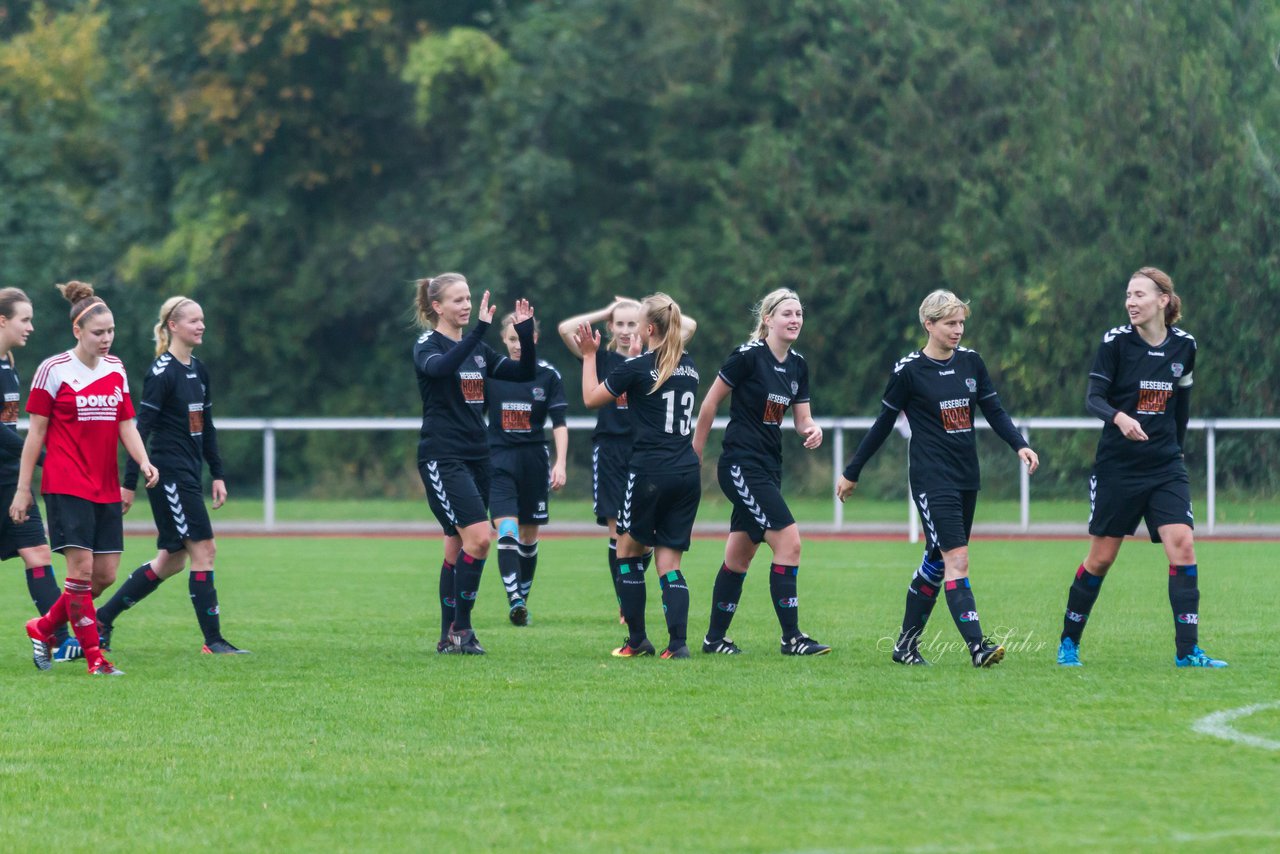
(80,408)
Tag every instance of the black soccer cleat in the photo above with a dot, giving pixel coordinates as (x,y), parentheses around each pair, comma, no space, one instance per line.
(987,654)
(681,651)
(464,642)
(104,636)
(222,647)
(519,613)
(39,646)
(802,644)
(724,646)
(643,649)
(910,656)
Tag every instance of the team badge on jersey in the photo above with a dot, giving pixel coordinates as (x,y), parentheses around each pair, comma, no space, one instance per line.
(479,361)
(539,393)
(1177,369)
(795,388)
(971,384)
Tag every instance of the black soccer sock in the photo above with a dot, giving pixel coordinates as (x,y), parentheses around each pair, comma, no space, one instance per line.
(922,595)
(965,612)
(42,584)
(204,598)
(724,601)
(466,584)
(446,598)
(528,566)
(786,602)
(140,584)
(613,568)
(675,604)
(1080,598)
(1184,598)
(509,565)
(631,595)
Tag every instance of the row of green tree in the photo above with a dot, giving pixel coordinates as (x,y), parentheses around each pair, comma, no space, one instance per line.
(296,164)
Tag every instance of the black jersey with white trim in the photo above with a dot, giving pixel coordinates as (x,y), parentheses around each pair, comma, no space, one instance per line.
(518,411)
(940,400)
(175,420)
(613,420)
(1143,381)
(664,418)
(10,439)
(453,405)
(763,390)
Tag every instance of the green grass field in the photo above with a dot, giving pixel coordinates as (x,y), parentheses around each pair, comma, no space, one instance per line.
(344,731)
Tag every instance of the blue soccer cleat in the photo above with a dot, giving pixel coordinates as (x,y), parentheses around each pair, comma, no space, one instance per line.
(68,650)
(1069,653)
(1199,658)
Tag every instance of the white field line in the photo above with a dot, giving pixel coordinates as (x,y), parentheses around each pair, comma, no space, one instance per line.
(1219,725)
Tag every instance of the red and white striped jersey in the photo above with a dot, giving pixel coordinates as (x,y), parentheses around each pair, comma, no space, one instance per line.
(85,407)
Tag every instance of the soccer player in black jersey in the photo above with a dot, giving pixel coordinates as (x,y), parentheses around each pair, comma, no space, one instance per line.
(520,457)
(766,377)
(663,488)
(176,420)
(612,439)
(1140,386)
(453,453)
(26,540)
(939,387)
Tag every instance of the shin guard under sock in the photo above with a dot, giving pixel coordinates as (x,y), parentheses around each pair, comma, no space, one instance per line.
(42,584)
(786,601)
(675,605)
(509,565)
(466,584)
(631,594)
(140,584)
(446,598)
(724,601)
(528,566)
(1184,598)
(964,611)
(204,598)
(1080,598)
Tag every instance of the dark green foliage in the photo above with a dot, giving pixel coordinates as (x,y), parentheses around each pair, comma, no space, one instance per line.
(297,170)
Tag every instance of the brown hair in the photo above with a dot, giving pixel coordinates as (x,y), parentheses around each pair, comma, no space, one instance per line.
(1172,311)
(429,291)
(172,309)
(9,299)
(663,312)
(83,302)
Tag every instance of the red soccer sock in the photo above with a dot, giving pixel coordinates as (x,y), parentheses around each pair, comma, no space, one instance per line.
(84,622)
(56,615)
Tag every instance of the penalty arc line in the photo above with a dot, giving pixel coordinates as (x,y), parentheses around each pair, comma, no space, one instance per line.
(1219,725)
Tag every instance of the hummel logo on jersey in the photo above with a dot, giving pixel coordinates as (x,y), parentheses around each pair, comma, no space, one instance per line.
(1155,352)
(780,369)
(946,373)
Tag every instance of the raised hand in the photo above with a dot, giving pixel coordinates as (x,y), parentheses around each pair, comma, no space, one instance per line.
(524,311)
(486,310)
(587,339)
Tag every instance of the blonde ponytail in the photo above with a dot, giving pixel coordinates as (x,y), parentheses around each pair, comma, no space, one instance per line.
(172,309)
(663,312)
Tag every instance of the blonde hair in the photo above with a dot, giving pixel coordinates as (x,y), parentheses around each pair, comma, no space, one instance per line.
(1172,311)
(663,312)
(608,320)
(940,304)
(766,307)
(169,311)
(83,302)
(428,292)
(509,319)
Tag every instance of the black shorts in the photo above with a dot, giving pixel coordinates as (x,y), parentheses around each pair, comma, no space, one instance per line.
(1118,502)
(83,524)
(947,515)
(608,478)
(521,484)
(659,509)
(757,500)
(457,491)
(14,537)
(180,514)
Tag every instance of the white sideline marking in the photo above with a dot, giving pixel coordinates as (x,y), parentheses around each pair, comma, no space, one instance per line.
(1218,725)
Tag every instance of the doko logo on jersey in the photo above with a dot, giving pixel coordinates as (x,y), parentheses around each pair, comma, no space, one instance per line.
(99,407)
